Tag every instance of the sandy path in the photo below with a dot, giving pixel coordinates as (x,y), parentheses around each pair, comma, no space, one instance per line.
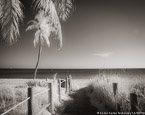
(79,105)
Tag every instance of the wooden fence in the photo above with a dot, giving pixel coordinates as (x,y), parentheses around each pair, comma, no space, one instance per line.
(61,84)
(64,83)
(133,100)
(67,85)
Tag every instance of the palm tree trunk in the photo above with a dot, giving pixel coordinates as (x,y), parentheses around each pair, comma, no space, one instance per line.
(39,54)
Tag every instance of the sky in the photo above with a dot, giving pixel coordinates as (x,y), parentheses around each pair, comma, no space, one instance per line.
(99,34)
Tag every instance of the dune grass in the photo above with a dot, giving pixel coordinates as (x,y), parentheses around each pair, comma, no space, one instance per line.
(100,90)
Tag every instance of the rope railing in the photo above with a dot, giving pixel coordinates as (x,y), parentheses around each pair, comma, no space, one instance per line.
(129,102)
(63,81)
(133,102)
(43,109)
(140,94)
(15,106)
(35,95)
(7,107)
(138,108)
(31,95)
(123,98)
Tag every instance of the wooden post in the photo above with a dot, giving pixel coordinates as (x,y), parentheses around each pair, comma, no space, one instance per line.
(118,108)
(115,88)
(70,83)
(50,97)
(54,77)
(67,85)
(59,89)
(134,103)
(63,83)
(30,101)
(122,104)
(142,90)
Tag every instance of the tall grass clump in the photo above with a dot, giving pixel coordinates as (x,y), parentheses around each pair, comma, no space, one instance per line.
(10,96)
(101,94)
(7,97)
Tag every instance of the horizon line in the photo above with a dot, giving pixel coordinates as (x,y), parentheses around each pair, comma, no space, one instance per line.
(78,68)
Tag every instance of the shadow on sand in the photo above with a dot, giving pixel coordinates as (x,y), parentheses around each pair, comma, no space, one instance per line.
(79,104)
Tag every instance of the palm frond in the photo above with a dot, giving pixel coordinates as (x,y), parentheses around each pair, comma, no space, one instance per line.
(32,22)
(11,15)
(55,22)
(41,17)
(41,5)
(64,8)
(41,38)
(46,35)
(36,39)
(32,27)
(59,36)
(47,41)
(47,23)
(1,7)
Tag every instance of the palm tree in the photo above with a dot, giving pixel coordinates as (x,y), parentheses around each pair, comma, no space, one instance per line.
(44,27)
(11,15)
(63,7)
(48,19)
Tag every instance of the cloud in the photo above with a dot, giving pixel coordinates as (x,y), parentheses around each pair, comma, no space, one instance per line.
(104,55)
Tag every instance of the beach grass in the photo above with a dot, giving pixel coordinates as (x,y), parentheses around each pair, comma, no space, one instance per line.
(100,91)
(98,88)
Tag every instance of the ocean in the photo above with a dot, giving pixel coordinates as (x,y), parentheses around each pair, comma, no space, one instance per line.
(75,73)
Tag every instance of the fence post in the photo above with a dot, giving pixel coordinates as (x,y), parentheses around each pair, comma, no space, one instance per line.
(115,91)
(134,103)
(67,85)
(70,83)
(122,104)
(54,77)
(118,108)
(59,89)
(50,97)
(30,101)
(115,88)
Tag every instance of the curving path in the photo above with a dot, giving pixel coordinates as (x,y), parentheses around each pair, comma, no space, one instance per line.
(79,105)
